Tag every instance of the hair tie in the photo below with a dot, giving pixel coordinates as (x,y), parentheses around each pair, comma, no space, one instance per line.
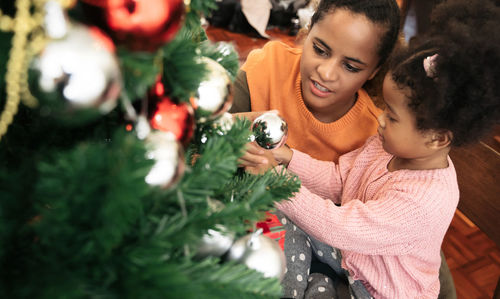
(430,66)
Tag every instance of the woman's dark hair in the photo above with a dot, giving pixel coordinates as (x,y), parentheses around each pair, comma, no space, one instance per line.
(381,12)
(463,96)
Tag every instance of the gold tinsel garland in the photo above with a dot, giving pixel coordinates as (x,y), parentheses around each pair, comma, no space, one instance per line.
(28,40)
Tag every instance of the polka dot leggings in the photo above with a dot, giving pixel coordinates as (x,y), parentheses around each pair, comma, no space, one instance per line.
(298,282)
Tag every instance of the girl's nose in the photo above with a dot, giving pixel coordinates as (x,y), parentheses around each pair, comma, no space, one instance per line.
(381,120)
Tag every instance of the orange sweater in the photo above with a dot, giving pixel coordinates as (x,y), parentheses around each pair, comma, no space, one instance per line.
(273,76)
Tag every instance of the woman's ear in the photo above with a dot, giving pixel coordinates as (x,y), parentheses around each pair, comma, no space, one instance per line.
(441,139)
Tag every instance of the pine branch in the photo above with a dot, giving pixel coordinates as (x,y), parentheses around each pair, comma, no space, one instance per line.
(224,53)
(181,74)
(90,187)
(197,9)
(224,280)
(140,70)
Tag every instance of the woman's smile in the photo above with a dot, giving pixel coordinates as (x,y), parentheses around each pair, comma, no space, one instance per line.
(319,90)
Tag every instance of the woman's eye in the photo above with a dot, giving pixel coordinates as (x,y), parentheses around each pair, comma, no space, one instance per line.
(319,50)
(351,68)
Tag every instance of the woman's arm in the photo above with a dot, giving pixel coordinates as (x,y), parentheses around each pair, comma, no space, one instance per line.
(241,94)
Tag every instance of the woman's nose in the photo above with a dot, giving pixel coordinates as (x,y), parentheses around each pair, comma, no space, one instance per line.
(381,120)
(328,71)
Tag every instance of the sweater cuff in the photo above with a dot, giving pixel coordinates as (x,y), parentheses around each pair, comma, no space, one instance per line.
(279,168)
(299,159)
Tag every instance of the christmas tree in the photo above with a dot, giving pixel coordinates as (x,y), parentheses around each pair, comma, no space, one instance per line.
(118,160)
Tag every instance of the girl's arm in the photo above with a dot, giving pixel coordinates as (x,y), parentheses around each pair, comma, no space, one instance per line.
(322,178)
(391,224)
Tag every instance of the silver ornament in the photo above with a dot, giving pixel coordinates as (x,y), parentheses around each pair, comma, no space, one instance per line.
(260,253)
(169,159)
(142,127)
(55,21)
(213,96)
(269,130)
(80,68)
(215,242)
(220,125)
(224,123)
(225,49)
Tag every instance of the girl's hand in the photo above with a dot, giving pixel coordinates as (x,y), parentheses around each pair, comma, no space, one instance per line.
(254,156)
(268,158)
(283,155)
(256,160)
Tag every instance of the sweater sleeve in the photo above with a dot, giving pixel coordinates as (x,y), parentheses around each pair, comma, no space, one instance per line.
(390,224)
(323,178)
(319,177)
(241,94)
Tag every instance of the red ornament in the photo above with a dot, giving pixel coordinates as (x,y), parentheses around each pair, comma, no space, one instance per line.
(171,117)
(142,25)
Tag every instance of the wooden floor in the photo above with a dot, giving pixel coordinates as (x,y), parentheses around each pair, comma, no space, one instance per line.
(473,258)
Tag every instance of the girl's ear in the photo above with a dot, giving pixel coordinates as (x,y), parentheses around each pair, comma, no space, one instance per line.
(440,139)
(374,73)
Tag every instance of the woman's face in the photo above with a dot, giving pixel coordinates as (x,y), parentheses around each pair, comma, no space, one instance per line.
(340,54)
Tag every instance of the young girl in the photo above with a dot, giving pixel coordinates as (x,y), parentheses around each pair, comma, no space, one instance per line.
(318,88)
(379,215)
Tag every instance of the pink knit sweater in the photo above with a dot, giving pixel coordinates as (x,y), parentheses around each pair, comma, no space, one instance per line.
(390,225)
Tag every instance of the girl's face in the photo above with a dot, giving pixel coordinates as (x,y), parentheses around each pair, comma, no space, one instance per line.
(397,126)
(340,54)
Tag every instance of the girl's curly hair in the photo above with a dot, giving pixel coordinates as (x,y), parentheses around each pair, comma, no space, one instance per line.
(463,97)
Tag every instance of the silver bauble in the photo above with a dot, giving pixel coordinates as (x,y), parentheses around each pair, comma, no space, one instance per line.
(76,73)
(269,130)
(55,21)
(166,151)
(224,123)
(260,253)
(215,242)
(213,96)
(220,125)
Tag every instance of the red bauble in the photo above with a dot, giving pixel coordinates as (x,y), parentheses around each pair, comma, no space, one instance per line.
(142,25)
(171,117)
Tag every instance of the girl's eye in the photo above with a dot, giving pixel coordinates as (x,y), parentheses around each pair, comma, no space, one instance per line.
(351,68)
(319,50)
(391,119)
